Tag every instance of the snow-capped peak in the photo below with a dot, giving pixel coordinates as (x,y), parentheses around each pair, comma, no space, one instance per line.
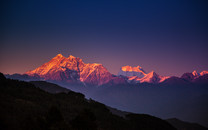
(73,69)
(152,73)
(132,71)
(151,77)
(139,67)
(195,74)
(203,73)
(96,64)
(59,56)
(70,56)
(130,68)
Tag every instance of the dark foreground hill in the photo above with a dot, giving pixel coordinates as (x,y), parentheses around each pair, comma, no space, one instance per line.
(181,125)
(49,87)
(24,106)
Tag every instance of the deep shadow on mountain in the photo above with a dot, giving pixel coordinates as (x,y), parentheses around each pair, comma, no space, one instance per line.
(24,106)
(49,87)
(181,125)
(175,97)
(186,101)
(183,95)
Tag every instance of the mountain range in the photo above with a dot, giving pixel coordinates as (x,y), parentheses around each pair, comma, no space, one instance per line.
(74,71)
(132,89)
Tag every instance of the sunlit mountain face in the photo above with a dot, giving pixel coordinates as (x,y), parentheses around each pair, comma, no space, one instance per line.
(138,56)
(138,75)
(132,71)
(132,89)
(73,70)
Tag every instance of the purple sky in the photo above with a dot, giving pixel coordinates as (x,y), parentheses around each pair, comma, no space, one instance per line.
(168,37)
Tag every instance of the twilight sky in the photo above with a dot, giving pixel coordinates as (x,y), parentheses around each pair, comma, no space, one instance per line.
(167,36)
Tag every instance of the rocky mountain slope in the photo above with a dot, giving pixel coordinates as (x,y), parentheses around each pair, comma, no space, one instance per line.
(74,70)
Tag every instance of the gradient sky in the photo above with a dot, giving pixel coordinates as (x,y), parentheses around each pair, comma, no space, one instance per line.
(167,36)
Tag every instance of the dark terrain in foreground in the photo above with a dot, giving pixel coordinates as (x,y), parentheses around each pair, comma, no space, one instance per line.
(181,125)
(24,106)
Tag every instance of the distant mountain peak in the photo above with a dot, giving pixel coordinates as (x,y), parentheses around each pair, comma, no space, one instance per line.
(71,56)
(138,75)
(203,73)
(97,64)
(73,69)
(59,56)
(130,68)
(126,68)
(132,71)
(195,73)
(153,73)
(151,77)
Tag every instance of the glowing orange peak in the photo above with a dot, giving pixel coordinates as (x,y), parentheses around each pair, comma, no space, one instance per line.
(152,72)
(139,67)
(203,72)
(71,56)
(129,68)
(59,56)
(126,68)
(97,64)
(195,73)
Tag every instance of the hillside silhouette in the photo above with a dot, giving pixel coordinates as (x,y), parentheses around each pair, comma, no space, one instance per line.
(24,106)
